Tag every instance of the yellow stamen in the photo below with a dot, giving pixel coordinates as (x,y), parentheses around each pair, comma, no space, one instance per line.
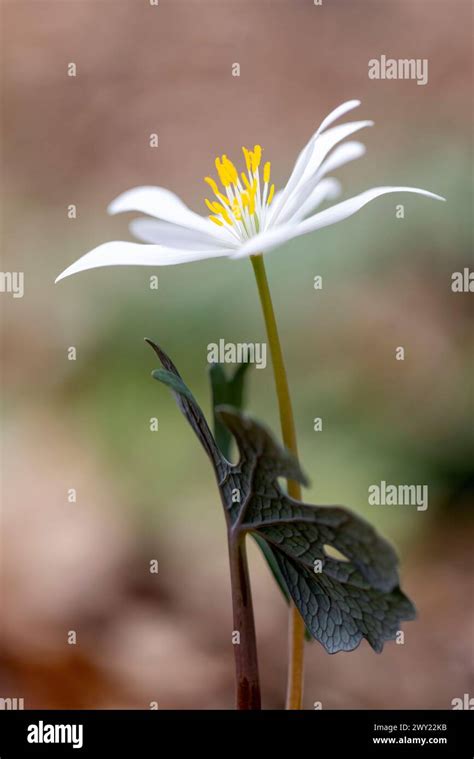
(244,192)
(256,157)
(223,212)
(236,209)
(245,180)
(223,175)
(216,190)
(218,209)
(253,190)
(212,184)
(230,169)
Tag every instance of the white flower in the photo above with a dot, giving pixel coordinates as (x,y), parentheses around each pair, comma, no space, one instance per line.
(247,216)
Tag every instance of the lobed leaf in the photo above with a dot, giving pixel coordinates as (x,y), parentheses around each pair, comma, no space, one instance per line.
(229,391)
(341,601)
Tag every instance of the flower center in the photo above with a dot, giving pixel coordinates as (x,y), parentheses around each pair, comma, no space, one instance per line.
(242,206)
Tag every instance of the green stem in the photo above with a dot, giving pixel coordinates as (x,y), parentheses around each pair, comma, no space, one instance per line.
(294,695)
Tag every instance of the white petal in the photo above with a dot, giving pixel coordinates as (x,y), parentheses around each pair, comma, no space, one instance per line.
(278,235)
(341,110)
(267,240)
(336,114)
(134,254)
(305,198)
(163,204)
(349,151)
(299,204)
(307,178)
(349,207)
(326,189)
(306,151)
(325,143)
(174,236)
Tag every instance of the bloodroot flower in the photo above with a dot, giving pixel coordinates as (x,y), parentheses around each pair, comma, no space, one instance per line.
(246,219)
(247,216)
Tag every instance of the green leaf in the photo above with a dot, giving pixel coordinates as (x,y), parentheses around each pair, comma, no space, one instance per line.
(228,391)
(273,565)
(342,601)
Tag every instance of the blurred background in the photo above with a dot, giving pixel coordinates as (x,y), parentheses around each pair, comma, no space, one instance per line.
(84,566)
